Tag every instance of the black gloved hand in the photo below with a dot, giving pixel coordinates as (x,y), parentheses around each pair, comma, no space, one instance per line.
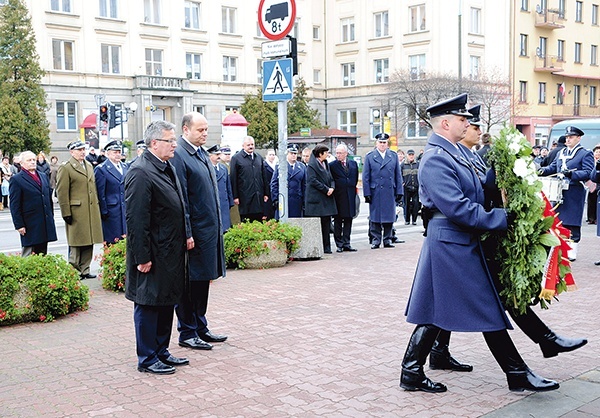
(68,219)
(367,199)
(399,199)
(104,216)
(511,218)
(598,165)
(567,173)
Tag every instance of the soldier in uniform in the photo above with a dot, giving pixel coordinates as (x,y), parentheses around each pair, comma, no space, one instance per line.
(574,164)
(296,184)
(224,186)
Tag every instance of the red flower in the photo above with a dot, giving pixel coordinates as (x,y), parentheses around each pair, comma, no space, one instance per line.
(2,314)
(52,286)
(42,318)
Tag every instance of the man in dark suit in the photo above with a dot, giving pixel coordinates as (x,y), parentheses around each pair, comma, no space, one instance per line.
(269,168)
(296,182)
(345,175)
(31,207)
(207,258)
(110,183)
(156,248)
(382,188)
(250,192)
(224,185)
(560,144)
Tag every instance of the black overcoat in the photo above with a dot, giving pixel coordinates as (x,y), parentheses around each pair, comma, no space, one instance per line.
(248,182)
(346,180)
(318,182)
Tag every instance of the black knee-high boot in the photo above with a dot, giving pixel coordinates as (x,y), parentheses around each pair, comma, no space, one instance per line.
(518,375)
(550,343)
(440,357)
(419,346)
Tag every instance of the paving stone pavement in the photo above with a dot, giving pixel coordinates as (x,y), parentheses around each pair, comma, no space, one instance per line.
(315,338)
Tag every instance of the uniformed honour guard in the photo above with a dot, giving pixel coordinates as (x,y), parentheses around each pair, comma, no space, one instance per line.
(296,181)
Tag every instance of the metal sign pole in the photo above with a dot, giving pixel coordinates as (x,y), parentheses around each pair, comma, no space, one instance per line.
(283,167)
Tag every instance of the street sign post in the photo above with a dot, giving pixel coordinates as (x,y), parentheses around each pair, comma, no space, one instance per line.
(276,18)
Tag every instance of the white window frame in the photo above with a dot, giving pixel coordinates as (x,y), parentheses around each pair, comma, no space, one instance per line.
(192,13)
(64,48)
(524,5)
(316,76)
(474,66)
(154,62)
(316,33)
(108,9)
(107,55)
(152,12)
(523,91)
(348,121)
(416,66)
(594,15)
(560,50)
(229,68)
(416,18)
(382,70)
(228,19)
(593,54)
(523,44)
(193,69)
(579,11)
(542,93)
(66,115)
(415,125)
(475,21)
(593,94)
(62,6)
(559,97)
(348,33)
(381,24)
(577,53)
(348,74)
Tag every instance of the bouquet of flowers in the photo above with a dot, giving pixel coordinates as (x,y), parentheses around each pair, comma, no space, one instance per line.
(533,253)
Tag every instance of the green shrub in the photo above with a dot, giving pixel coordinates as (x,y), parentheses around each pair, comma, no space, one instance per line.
(39,287)
(112,262)
(246,239)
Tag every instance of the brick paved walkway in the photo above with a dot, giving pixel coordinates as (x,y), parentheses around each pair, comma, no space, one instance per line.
(318,338)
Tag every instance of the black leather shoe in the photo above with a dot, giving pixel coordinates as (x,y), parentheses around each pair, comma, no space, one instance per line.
(406,223)
(597,263)
(327,252)
(388,245)
(175,361)
(528,380)
(374,246)
(553,344)
(412,383)
(349,249)
(339,250)
(397,240)
(209,337)
(88,276)
(414,223)
(444,361)
(157,368)
(196,344)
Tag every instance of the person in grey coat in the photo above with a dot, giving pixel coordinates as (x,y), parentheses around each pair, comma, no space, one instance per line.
(319,193)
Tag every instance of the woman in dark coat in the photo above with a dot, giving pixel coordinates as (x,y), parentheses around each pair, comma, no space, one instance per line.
(42,164)
(319,193)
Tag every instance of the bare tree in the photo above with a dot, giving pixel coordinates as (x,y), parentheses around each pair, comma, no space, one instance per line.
(492,90)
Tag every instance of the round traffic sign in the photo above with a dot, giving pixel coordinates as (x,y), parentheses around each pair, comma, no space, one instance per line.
(276,17)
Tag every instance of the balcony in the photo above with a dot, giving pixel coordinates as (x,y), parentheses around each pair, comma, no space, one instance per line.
(549,18)
(161,83)
(565,110)
(548,63)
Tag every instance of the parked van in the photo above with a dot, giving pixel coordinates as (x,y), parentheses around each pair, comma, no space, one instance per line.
(590,127)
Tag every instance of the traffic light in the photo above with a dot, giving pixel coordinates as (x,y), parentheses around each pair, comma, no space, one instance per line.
(112,120)
(104,112)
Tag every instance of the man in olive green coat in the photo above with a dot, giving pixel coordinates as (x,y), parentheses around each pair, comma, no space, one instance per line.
(79,207)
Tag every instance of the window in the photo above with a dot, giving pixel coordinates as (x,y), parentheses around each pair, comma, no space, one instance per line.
(108,8)
(62,54)
(523,91)
(560,94)
(316,33)
(381,24)
(199,109)
(295,32)
(66,116)
(561,9)
(594,55)
(475,21)
(347,29)
(474,63)
(110,59)
(578,11)
(523,45)
(595,14)
(593,93)
(416,66)
(348,75)
(541,92)
(317,76)
(541,51)
(525,5)
(60,6)
(153,61)
(382,70)
(560,50)
(193,66)
(347,121)
(192,15)
(152,11)
(415,127)
(577,53)
(228,19)
(229,68)
(417,18)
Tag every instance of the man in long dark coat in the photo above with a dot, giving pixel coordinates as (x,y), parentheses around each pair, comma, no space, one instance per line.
(156,248)
(207,258)
(250,192)
(31,207)
(110,183)
(296,182)
(345,175)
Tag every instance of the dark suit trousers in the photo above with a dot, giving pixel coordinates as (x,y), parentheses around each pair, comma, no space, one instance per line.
(251,217)
(35,249)
(341,231)
(325,231)
(411,205)
(153,325)
(191,312)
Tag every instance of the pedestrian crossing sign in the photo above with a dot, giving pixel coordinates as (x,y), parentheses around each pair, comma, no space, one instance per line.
(277,80)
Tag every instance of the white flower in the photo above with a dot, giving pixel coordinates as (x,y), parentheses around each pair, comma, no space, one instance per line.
(520,168)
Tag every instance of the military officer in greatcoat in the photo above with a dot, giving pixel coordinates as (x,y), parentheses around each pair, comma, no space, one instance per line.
(223,184)
(296,184)
(574,164)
